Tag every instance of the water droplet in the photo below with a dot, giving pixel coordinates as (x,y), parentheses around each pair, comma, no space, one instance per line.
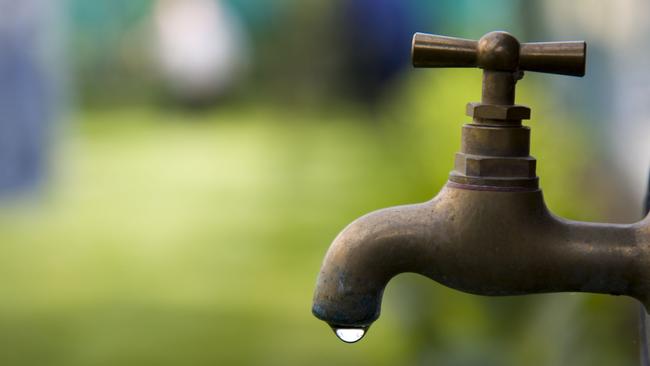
(350,335)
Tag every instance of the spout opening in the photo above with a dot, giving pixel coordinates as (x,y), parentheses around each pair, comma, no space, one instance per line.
(354,316)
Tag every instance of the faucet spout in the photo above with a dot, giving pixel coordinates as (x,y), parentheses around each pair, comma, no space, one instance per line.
(365,256)
(481,241)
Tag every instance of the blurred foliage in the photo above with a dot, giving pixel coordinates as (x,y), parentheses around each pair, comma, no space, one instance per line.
(171,238)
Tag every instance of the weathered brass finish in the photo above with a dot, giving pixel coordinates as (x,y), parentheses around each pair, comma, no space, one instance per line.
(499,112)
(485,242)
(488,231)
(499,51)
(495,146)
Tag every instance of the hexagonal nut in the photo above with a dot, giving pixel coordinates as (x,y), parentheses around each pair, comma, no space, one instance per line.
(490,166)
(498,112)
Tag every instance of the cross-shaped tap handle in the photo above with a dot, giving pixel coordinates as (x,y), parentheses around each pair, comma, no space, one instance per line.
(502,58)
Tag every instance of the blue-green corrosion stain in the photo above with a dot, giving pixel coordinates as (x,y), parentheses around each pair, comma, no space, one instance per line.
(348,309)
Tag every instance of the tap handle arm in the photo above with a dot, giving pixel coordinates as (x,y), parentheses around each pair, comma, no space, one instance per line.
(430,50)
(565,58)
(499,51)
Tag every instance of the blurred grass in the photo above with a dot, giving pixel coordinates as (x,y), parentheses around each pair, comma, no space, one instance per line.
(172,239)
(169,239)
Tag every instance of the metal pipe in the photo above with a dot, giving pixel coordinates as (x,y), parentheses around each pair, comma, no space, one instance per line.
(479,241)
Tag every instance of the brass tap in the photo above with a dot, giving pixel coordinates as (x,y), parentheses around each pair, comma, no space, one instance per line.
(488,231)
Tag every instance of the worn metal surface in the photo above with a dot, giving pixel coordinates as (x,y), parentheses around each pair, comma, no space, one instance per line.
(482,242)
(488,231)
(644,319)
(499,51)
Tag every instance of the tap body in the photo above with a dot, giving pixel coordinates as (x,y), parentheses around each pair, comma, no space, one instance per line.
(482,241)
(488,231)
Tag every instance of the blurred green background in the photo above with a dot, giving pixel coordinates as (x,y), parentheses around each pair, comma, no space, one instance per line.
(186,225)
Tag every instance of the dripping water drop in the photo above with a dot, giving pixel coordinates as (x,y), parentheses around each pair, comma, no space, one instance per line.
(350,335)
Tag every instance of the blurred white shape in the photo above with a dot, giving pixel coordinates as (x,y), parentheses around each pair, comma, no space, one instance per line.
(201,46)
(619,29)
(613,22)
